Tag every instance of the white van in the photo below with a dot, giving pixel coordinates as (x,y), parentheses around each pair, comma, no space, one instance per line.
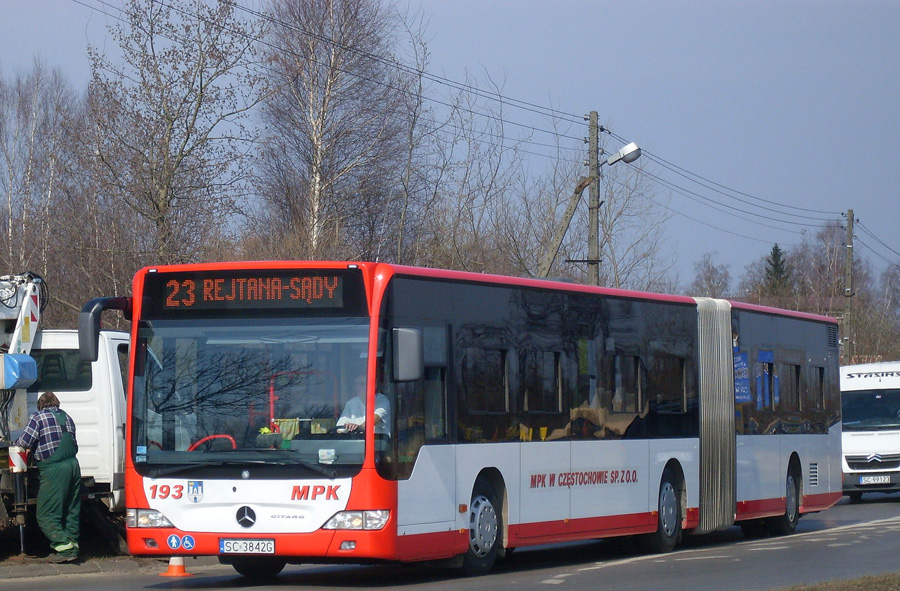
(870,404)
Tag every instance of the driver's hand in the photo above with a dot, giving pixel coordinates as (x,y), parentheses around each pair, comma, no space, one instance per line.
(350,427)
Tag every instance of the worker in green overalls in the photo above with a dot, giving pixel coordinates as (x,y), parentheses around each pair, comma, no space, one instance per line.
(50,435)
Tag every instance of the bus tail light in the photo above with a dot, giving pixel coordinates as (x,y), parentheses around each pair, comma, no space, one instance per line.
(358,520)
(146,518)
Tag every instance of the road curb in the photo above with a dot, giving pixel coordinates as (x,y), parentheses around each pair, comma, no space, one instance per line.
(23,567)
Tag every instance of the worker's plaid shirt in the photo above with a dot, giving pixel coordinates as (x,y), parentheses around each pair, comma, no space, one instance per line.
(43,433)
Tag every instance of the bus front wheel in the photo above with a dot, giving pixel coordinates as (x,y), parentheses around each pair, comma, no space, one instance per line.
(485,526)
(258,568)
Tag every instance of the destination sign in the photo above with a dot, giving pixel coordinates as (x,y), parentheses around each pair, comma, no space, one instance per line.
(252,290)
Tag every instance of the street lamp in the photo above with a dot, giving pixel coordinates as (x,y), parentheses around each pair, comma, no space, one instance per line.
(627,154)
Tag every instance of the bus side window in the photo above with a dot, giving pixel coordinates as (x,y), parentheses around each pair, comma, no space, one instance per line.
(815,391)
(789,399)
(627,393)
(435,403)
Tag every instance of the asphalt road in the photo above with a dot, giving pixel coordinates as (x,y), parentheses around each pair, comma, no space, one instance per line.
(848,541)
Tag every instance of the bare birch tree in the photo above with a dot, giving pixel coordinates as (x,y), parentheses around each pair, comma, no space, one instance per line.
(710,280)
(170,120)
(39,147)
(33,110)
(335,126)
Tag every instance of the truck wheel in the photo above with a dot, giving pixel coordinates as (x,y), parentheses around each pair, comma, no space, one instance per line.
(485,527)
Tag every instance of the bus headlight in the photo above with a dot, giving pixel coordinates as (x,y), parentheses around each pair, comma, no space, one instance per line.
(358,520)
(146,518)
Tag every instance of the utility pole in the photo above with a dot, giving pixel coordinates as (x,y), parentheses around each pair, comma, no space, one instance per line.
(848,290)
(627,154)
(594,202)
(560,233)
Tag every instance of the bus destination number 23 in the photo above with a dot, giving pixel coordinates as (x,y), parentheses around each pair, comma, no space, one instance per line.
(254,292)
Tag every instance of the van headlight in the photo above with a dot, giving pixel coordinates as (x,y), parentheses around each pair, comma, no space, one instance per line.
(358,520)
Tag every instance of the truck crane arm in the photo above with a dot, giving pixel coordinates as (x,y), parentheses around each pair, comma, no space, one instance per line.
(23,298)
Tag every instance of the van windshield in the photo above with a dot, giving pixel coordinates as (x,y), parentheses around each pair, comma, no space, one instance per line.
(866,410)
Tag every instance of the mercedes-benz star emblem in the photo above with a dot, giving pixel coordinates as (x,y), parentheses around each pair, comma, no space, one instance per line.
(246,517)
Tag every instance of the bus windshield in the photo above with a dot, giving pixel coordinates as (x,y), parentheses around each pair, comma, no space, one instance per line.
(251,390)
(865,410)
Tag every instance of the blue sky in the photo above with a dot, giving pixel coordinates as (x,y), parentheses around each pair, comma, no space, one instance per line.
(790,103)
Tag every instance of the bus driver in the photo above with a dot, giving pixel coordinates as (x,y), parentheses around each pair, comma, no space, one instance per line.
(353,416)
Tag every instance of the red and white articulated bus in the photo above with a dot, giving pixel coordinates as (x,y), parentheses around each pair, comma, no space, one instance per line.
(505,412)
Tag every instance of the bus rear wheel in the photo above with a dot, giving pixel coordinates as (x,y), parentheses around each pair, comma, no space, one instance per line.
(787,523)
(668,524)
(485,525)
(258,568)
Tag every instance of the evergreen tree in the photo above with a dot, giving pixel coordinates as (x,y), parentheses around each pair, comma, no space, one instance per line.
(778,274)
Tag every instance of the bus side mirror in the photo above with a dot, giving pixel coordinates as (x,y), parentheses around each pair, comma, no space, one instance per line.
(409,363)
(89,324)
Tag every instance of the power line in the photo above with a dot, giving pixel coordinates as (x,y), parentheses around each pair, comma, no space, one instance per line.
(694,196)
(453,107)
(707,224)
(467,88)
(879,255)
(479,93)
(706,183)
(876,238)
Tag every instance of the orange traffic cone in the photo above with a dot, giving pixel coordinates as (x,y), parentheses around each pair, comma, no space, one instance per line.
(176,568)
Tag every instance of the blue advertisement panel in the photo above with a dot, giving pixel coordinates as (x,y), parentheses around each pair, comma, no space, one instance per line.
(742,379)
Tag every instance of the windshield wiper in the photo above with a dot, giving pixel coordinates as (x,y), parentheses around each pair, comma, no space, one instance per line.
(282,457)
(156,473)
(329,472)
(286,455)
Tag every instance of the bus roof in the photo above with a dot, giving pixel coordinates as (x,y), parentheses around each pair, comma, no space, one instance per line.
(781,312)
(535,283)
(484,278)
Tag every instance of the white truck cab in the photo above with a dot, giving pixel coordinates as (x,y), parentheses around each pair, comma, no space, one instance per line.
(93,394)
(870,405)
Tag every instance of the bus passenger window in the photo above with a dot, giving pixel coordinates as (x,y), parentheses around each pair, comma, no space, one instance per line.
(666,385)
(627,394)
(815,390)
(435,403)
(766,380)
(485,382)
(790,388)
(539,380)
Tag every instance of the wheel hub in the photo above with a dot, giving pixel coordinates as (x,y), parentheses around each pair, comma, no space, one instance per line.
(482,526)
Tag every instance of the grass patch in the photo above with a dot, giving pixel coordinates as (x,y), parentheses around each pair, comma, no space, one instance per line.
(890,582)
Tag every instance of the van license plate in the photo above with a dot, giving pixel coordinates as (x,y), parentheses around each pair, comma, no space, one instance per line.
(246,546)
(883,479)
